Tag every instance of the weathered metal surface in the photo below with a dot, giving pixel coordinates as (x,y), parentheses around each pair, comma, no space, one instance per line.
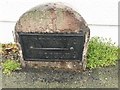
(52,47)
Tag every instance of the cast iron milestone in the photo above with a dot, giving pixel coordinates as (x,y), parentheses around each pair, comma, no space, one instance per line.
(54,34)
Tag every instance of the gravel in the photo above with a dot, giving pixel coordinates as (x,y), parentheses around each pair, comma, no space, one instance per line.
(57,78)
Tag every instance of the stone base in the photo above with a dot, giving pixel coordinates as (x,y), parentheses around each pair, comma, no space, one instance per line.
(76,66)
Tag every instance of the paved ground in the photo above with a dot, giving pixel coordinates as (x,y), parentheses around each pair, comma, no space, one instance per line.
(50,78)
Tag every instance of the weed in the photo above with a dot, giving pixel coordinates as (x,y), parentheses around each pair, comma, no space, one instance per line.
(101,52)
(10,66)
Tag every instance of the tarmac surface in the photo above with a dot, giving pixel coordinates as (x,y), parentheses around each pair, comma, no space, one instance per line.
(57,78)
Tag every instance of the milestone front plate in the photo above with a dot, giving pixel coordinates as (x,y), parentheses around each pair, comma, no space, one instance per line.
(52,47)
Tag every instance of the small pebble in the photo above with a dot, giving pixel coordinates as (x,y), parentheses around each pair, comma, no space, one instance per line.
(75,82)
(105,78)
(89,74)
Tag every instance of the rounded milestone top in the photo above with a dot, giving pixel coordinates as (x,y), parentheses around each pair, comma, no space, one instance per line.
(51,18)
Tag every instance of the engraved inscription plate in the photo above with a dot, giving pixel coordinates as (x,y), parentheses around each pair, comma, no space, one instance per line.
(52,47)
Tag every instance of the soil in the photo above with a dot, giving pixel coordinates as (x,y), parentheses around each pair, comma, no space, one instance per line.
(57,78)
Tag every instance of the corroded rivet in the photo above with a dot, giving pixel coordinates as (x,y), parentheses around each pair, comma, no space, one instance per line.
(45,53)
(31,46)
(74,43)
(74,56)
(71,48)
(47,57)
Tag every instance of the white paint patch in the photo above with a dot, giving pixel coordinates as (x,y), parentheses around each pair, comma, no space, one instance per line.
(106,32)
(6,35)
